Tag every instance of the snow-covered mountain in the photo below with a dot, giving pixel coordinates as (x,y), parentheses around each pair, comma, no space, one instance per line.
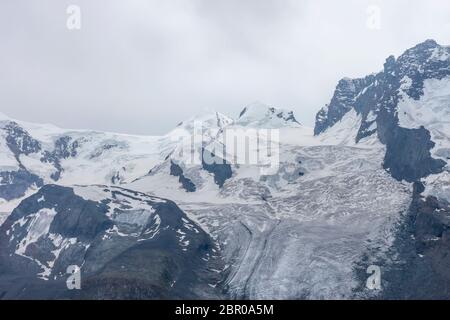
(405,106)
(263,116)
(370,184)
(34,155)
(139,246)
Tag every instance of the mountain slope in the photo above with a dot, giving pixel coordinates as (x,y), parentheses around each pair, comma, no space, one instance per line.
(127,244)
(406,108)
(325,206)
(395,105)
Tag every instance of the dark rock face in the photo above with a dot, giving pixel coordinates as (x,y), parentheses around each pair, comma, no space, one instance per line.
(421,249)
(408,154)
(64,148)
(175,170)
(343,100)
(416,265)
(128,245)
(14,184)
(417,63)
(217,166)
(19,141)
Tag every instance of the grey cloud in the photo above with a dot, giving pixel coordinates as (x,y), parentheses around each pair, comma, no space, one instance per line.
(141,66)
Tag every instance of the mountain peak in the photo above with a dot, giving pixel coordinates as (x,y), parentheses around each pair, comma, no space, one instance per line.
(255,108)
(210,120)
(423,49)
(258,114)
(402,107)
(343,100)
(427,44)
(426,60)
(424,53)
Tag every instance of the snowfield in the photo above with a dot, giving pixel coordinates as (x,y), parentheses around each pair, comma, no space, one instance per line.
(431,111)
(299,232)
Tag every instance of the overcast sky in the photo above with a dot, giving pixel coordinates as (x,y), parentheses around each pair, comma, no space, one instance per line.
(142,66)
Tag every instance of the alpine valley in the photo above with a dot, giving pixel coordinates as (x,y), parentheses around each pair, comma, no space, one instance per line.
(368,185)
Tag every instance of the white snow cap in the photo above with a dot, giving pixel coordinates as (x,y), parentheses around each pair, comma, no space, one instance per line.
(210,120)
(260,115)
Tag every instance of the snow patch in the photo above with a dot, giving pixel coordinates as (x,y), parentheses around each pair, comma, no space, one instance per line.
(38,225)
(431,111)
